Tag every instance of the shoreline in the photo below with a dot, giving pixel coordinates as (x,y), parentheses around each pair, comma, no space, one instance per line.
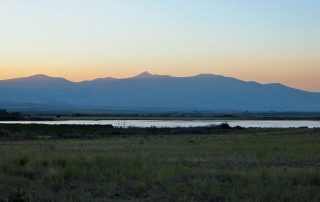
(161,118)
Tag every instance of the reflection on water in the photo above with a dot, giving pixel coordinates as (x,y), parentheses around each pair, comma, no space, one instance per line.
(179,123)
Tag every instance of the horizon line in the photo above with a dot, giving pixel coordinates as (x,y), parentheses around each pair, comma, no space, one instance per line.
(146,74)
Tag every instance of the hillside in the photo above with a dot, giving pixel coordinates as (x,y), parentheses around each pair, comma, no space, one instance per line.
(148,92)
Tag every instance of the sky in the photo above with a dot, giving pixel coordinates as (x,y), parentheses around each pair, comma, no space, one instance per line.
(253,40)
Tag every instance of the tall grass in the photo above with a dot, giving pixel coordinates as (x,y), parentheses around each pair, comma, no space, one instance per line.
(225,165)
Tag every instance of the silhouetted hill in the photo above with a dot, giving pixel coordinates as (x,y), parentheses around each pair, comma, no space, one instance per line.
(148,92)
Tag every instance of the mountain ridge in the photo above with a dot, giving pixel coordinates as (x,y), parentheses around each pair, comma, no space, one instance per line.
(202,92)
(146,74)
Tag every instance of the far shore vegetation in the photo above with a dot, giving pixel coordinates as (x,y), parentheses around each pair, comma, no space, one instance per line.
(5,115)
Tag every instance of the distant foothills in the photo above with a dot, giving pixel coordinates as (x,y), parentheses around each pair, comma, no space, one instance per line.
(153,93)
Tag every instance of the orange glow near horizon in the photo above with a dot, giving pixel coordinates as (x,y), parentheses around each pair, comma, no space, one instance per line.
(280,70)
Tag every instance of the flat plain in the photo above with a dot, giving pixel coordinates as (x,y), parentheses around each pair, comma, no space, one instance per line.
(102,163)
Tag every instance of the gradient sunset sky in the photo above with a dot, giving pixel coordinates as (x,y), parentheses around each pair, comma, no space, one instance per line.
(264,41)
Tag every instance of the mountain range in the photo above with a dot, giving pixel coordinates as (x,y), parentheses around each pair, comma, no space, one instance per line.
(154,93)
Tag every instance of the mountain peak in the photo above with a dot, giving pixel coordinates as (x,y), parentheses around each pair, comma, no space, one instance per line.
(206,75)
(145,74)
(40,76)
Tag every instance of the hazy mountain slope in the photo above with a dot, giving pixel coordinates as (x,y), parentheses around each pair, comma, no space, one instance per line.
(156,92)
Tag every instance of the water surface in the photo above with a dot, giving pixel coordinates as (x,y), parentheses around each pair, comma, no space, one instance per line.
(180,123)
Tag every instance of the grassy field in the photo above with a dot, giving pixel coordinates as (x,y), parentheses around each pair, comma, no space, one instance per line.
(96,163)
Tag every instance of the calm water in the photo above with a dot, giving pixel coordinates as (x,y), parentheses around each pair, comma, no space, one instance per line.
(178,123)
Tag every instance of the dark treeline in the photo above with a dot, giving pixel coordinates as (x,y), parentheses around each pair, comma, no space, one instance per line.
(39,131)
(5,115)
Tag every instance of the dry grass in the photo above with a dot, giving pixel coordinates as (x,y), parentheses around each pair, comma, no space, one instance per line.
(146,165)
